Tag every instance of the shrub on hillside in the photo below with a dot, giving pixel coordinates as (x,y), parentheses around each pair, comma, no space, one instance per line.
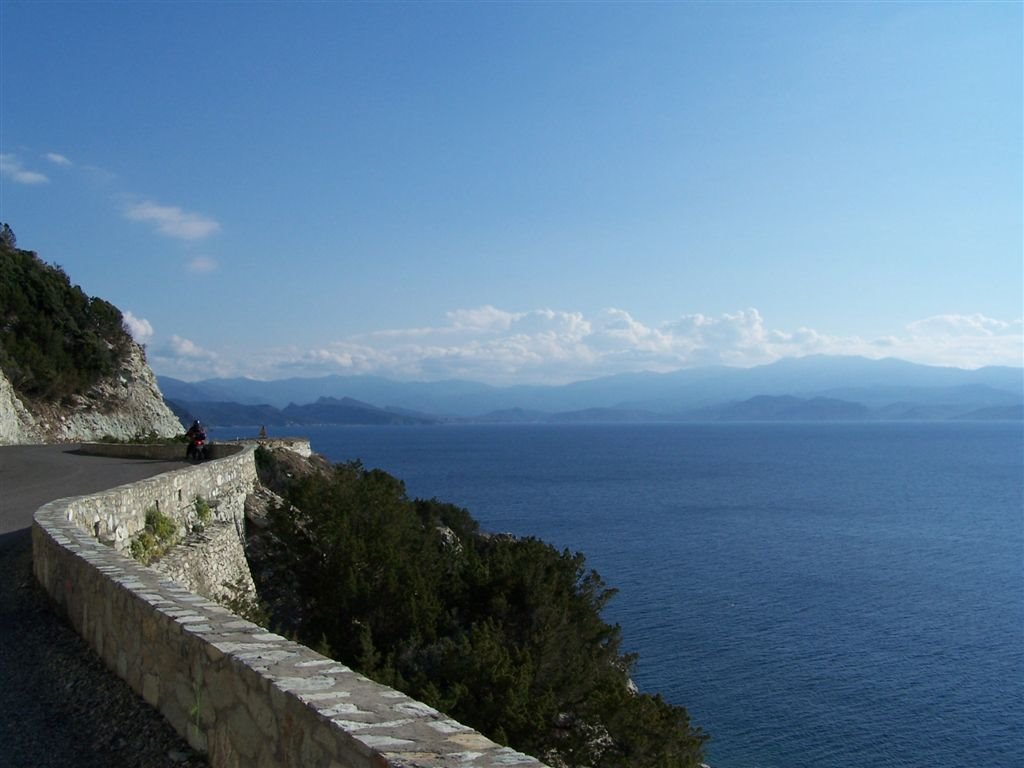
(504,634)
(55,340)
(159,535)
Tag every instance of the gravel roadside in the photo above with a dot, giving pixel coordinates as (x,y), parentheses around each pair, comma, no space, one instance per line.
(59,705)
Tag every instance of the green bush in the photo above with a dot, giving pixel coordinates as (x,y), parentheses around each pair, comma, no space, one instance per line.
(159,535)
(203,511)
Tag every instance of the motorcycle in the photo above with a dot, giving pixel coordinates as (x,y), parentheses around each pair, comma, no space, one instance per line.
(197,449)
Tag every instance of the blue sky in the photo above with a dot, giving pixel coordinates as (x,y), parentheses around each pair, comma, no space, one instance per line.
(524,192)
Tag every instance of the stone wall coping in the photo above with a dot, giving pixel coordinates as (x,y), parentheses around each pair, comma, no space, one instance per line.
(157,451)
(243,694)
(216,449)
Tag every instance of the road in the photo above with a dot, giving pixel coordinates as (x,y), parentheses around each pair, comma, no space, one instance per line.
(31,475)
(58,705)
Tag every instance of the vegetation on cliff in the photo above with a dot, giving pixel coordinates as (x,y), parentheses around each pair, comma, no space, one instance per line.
(503,634)
(55,340)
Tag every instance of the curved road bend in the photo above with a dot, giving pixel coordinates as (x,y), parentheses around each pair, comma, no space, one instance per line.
(58,704)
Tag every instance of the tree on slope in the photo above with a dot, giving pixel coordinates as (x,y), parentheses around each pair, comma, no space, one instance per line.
(503,634)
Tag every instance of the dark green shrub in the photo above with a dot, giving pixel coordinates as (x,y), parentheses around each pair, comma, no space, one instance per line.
(55,341)
(159,535)
(203,511)
(503,634)
(240,602)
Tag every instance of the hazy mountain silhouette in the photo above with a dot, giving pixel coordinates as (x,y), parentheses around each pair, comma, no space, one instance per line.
(855,386)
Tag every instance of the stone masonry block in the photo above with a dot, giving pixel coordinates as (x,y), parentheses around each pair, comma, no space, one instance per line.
(196,737)
(151,689)
(221,751)
(219,688)
(244,733)
(258,705)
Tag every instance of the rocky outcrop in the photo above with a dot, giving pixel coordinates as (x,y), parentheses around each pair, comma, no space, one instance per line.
(17,425)
(124,406)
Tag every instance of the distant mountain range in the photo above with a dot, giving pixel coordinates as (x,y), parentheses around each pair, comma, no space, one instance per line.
(811,388)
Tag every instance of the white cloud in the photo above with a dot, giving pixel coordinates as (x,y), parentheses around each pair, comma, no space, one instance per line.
(140,328)
(11,167)
(181,357)
(181,347)
(976,325)
(173,221)
(57,159)
(486,318)
(202,265)
(732,338)
(617,328)
(968,341)
(570,326)
(551,346)
(494,345)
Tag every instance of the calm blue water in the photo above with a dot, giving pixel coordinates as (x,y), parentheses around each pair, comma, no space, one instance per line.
(816,595)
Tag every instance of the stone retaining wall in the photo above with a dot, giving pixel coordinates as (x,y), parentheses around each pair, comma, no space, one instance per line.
(299,445)
(211,563)
(215,450)
(156,451)
(245,695)
(115,516)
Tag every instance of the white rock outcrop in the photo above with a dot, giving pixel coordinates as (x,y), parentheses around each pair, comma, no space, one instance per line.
(124,406)
(16,424)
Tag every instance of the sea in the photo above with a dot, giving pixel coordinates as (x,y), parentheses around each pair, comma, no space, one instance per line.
(821,595)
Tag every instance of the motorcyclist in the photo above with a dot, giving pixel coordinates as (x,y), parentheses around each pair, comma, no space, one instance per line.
(195,434)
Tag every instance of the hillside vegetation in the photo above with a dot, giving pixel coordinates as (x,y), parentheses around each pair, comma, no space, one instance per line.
(55,340)
(504,634)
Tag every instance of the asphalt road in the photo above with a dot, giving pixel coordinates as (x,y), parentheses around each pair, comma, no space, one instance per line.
(31,475)
(59,706)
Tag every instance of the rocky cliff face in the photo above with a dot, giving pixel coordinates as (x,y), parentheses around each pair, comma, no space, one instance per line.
(16,423)
(123,406)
